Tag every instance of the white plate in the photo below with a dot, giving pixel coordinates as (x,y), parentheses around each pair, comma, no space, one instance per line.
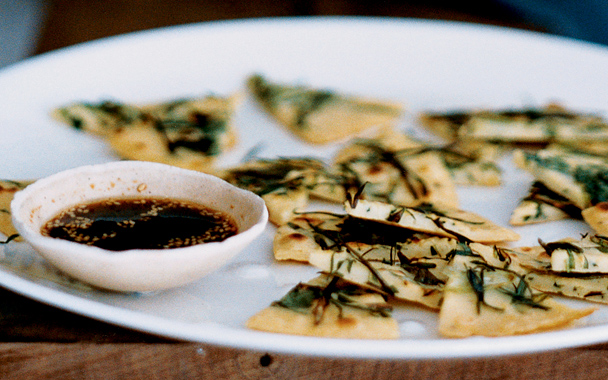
(427,65)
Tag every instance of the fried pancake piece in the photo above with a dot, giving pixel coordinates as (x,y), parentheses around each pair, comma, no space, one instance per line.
(284,183)
(8,188)
(543,205)
(328,307)
(320,116)
(98,118)
(397,170)
(393,280)
(592,288)
(298,238)
(473,163)
(597,217)
(190,133)
(579,177)
(320,231)
(579,271)
(518,125)
(434,220)
(482,300)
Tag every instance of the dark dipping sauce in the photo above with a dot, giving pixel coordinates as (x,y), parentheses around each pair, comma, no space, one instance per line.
(140,223)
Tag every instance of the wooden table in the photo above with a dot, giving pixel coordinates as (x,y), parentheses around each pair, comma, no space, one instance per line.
(40,341)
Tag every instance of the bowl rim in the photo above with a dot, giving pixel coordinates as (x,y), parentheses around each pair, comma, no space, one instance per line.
(33,236)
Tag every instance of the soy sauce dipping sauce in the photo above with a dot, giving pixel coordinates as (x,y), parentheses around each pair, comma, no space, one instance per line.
(140,223)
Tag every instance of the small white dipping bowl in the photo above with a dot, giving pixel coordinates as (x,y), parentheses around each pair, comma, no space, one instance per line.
(135,270)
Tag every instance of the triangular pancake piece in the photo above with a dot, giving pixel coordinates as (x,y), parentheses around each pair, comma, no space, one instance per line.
(283,206)
(482,300)
(579,177)
(521,260)
(525,125)
(321,116)
(100,118)
(328,307)
(406,173)
(308,232)
(283,183)
(423,245)
(597,217)
(412,286)
(7,192)
(587,255)
(473,163)
(536,265)
(434,220)
(543,205)
(189,133)
(593,287)
(304,234)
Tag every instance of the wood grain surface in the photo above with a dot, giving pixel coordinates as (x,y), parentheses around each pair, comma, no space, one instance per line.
(42,342)
(197,361)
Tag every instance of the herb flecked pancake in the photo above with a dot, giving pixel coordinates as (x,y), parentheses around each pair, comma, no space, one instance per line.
(321,116)
(8,188)
(328,307)
(190,133)
(552,123)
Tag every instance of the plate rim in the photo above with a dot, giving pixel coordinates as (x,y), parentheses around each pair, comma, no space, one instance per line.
(284,343)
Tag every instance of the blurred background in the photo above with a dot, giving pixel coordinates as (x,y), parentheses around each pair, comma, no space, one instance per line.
(29,27)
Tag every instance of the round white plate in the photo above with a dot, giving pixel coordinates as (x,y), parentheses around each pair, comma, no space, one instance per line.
(426,65)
